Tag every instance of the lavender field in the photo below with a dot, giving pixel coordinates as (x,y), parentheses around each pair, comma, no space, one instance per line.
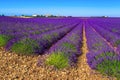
(62,39)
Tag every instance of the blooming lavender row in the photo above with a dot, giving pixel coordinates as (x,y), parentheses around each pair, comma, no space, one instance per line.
(111,24)
(44,40)
(97,47)
(115,28)
(20,28)
(111,37)
(102,56)
(13,26)
(70,45)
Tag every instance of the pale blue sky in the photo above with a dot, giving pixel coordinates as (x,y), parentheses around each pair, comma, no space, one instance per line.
(61,7)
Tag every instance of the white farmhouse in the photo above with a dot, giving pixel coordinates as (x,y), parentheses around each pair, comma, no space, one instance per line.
(34,15)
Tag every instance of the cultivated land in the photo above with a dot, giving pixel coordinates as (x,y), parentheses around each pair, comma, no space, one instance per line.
(18,67)
(59,49)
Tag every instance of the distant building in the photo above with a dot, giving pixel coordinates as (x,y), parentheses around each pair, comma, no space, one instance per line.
(100,16)
(34,15)
(22,16)
(69,16)
(104,16)
(47,15)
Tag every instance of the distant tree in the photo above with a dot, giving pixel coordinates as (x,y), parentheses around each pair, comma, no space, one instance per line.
(22,15)
(69,16)
(42,16)
(38,16)
(2,15)
(15,15)
(52,16)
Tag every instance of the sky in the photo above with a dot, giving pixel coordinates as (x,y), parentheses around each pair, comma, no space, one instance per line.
(61,7)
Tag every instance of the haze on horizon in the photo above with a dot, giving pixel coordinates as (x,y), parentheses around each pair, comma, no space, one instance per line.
(61,7)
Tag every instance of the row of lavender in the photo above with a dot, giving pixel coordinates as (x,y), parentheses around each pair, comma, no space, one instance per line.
(111,24)
(64,35)
(112,37)
(28,27)
(103,56)
(69,46)
(13,30)
(46,39)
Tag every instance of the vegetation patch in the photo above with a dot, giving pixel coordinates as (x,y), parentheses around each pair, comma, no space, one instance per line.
(58,59)
(55,34)
(26,46)
(47,37)
(36,32)
(3,40)
(69,46)
(110,68)
(114,30)
(97,44)
(117,43)
(104,55)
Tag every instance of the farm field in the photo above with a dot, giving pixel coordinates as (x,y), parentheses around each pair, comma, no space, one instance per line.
(59,48)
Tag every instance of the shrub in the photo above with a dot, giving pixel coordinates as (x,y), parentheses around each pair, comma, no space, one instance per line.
(58,59)
(26,46)
(110,65)
(117,43)
(111,68)
(105,54)
(3,40)
(69,46)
